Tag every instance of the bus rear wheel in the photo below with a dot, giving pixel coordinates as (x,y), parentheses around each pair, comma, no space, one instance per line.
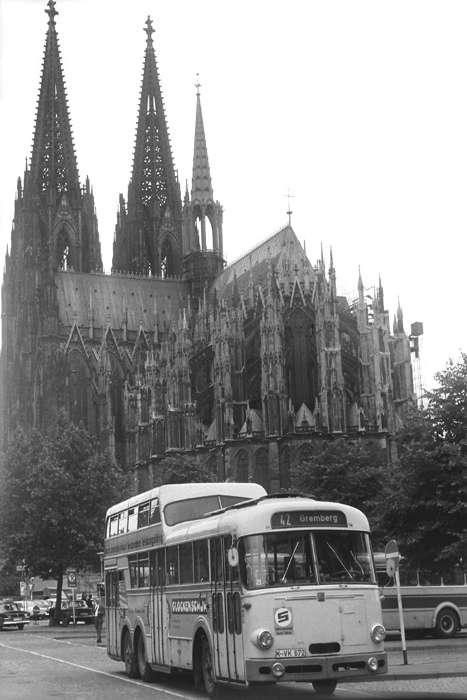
(131,669)
(145,671)
(446,623)
(325,687)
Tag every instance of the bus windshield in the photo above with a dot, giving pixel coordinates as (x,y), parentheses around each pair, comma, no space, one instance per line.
(302,558)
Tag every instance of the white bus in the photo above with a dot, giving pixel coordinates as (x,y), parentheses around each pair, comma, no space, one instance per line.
(274,588)
(431,603)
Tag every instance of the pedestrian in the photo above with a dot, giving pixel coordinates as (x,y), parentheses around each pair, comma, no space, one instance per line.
(99,612)
(35,615)
(89,601)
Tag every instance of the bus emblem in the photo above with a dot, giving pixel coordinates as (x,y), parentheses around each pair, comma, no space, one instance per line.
(283,617)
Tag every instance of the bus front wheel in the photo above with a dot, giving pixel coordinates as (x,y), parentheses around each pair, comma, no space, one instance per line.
(446,623)
(131,669)
(325,687)
(206,668)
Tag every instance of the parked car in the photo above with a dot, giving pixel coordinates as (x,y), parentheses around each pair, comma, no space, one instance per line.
(11,616)
(28,606)
(82,613)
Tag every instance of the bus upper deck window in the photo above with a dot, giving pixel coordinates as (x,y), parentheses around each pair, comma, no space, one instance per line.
(122,522)
(113,526)
(143,514)
(155,514)
(132,519)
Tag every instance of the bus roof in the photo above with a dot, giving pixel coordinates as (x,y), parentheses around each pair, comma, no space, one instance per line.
(169,493)
(255,517)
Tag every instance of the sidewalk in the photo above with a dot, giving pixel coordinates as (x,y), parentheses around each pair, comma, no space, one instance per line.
(423,662)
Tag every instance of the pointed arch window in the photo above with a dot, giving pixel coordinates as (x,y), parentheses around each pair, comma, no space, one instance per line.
(167,264)
(63,252)
(242,466)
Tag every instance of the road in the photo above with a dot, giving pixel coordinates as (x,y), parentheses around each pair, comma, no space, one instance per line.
(43,663)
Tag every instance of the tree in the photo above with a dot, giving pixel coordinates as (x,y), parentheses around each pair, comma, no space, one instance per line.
(352,472)
(447,402)
(428,516)
(56,487)
(174,470)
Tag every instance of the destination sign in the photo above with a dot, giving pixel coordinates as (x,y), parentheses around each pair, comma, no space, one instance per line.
(308,518)
(133,540)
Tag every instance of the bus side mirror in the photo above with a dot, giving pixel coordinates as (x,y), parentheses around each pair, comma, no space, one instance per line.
(232,556)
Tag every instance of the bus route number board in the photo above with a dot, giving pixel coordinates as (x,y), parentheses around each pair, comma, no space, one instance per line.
(290,653)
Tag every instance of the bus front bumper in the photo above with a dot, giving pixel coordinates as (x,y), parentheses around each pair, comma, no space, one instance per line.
(312,668)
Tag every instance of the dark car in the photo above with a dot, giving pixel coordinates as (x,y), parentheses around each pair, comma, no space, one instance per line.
(82,613)
(11,616)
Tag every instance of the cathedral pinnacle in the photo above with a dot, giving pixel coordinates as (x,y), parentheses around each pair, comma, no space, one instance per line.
(201,188)
(149,29)
(51,11)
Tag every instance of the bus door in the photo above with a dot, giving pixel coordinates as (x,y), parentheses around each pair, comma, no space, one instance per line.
(233,615)
(226,626)
(158,613)
(111,610)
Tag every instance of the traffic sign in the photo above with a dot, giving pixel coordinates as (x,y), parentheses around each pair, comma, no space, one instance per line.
(391,551)
(72,579)
(391,567)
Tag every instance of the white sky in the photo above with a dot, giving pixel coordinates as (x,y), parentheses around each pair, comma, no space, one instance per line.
(358,107)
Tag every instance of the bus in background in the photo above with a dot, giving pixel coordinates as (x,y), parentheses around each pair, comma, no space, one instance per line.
(431,602)
(237,586)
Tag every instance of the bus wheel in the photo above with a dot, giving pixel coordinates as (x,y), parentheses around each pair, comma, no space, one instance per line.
(446,623)
(131,669)
(325,687)
(145,671)
(207,669)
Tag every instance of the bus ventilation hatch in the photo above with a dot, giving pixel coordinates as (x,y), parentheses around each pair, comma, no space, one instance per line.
(324,648)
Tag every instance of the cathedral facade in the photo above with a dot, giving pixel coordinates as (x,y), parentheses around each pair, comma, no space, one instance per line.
(238,367)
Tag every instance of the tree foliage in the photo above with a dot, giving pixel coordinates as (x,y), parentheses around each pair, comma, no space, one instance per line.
(428,515)
(348,472)
(55,489)
(175,470)
(447,403)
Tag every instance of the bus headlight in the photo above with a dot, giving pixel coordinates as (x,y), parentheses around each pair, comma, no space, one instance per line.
(378,633)
(264,639)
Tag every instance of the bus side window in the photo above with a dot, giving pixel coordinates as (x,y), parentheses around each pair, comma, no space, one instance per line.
(171,565)
(201,560)
(186,562)
(143,570)
(157,567)
(215,551)
(133,568)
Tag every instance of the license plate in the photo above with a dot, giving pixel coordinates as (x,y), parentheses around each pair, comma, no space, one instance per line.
(290,653)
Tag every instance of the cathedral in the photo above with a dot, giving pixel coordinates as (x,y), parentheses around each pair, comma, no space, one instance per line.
(239,368)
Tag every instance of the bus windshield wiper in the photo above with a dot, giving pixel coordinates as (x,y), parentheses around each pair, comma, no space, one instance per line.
(290,561)
(339,560)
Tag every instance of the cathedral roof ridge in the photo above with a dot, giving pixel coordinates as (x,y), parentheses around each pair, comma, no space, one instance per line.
(259,245)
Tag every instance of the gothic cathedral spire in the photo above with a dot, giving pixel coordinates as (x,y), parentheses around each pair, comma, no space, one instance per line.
(202,257)
(148,233)
(52,180)
(53,164)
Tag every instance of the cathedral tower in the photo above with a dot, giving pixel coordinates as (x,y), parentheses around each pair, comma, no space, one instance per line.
(148,235)
(54,228)
(202,257)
